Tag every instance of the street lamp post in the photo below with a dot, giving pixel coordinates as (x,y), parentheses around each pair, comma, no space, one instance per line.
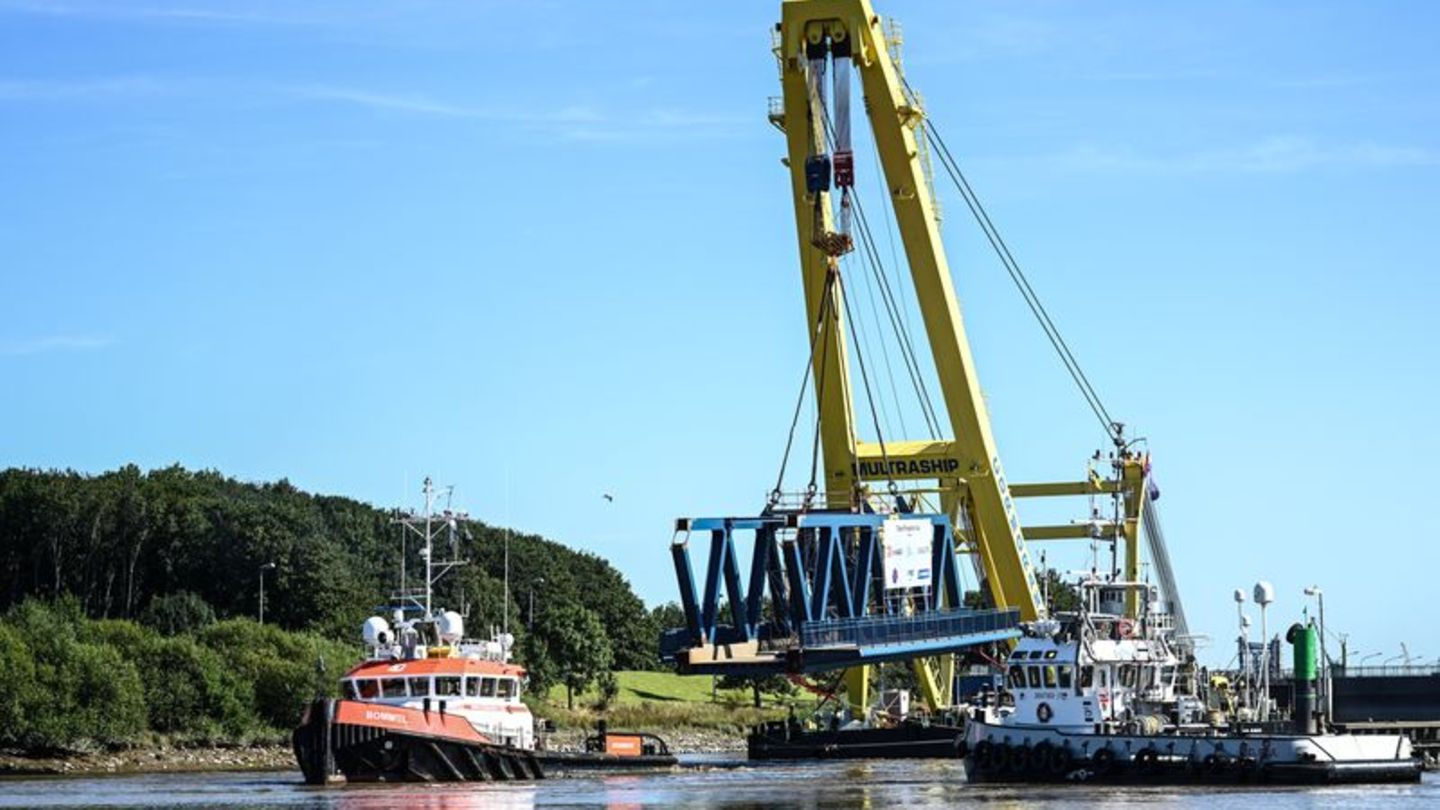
(1365,658)
(270,566)
(1328,702)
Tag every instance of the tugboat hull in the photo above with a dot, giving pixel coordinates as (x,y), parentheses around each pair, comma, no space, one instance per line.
(340,741)
(1019,755)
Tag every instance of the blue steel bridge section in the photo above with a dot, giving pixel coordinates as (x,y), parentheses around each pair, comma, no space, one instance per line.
(827,606)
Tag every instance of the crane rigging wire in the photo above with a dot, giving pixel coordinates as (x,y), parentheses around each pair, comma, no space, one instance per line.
(1022,283)
(899,324)
(864,339)
(893,308)
(816,336)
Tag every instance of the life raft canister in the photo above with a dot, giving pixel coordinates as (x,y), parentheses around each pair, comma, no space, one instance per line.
(1043,712)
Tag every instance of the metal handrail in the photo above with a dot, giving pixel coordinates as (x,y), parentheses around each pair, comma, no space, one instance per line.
(879,631)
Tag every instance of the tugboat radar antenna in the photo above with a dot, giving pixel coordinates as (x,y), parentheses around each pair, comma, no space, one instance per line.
(426,525)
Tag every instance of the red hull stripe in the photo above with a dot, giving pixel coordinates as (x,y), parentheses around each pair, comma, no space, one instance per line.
(413,721)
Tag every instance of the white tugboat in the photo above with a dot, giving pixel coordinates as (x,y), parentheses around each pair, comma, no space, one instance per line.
(1093,696)
(427,704)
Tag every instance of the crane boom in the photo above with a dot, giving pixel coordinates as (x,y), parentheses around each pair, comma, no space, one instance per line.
(967,468)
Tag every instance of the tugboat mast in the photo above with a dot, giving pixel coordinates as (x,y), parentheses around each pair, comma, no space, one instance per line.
(426,525)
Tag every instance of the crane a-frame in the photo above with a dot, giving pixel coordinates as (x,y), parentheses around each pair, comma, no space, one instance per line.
(966,469)
(815,37)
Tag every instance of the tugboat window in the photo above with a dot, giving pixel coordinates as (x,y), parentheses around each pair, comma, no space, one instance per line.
(392,688)
(1065,679)
(447,687)
(369,688)
(1049,677)
(1034,677)
(350,690)
(419,687)
(1017,677)
(472,687)
(1087,676)
(1127,676)
(487,687)
(507,688)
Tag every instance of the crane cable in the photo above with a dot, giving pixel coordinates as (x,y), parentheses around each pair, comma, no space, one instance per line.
(1017,275)
(892,309)
(816,338)
(869,395)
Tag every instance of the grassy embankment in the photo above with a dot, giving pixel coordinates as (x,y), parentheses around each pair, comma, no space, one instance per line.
(666,701)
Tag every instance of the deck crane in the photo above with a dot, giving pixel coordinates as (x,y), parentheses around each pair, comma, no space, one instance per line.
(818,44)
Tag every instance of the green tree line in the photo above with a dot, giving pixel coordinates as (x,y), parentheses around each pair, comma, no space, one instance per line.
(72,682)
(119,541)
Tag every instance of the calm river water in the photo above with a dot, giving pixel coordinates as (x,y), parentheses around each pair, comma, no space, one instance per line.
(706,783)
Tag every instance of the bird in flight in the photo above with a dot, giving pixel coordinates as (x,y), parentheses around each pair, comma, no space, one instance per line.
(608,497)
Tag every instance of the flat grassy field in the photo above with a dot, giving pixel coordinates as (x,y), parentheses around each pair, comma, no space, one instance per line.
(668,701)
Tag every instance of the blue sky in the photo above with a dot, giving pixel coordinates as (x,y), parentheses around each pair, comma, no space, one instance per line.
(545,251)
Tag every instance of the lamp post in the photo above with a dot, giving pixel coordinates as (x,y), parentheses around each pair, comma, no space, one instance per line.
(1315,591)
(1365,658)
(531,622)
(270,566)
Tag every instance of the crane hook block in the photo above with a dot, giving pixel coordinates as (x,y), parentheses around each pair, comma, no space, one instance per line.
(817,173)
(844,169)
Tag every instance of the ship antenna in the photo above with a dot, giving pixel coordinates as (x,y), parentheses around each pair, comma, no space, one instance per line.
(506,625)
(429,546)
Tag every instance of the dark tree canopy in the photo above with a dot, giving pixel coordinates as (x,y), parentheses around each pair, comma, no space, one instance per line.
(169,545)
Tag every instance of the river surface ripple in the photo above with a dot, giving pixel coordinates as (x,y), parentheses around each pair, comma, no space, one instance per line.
(704,782)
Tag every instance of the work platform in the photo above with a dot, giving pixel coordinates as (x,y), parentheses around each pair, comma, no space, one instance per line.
(823,591)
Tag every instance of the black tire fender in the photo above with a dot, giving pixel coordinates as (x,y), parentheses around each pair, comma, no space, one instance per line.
(984,754)
(1103,760)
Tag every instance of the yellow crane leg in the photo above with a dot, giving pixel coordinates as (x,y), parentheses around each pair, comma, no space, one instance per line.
(935,676)
(857,691)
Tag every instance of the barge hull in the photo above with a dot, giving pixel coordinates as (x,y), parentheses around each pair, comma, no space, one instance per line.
(785,741)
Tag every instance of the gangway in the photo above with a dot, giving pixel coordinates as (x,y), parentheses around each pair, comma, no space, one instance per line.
(824,590)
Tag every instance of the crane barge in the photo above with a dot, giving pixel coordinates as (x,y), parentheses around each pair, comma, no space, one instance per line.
(846,575)
(824,590)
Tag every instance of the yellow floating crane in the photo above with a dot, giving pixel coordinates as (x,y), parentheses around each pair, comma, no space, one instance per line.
(820,38)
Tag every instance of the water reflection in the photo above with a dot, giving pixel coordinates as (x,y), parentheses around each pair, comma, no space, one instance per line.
(718,786)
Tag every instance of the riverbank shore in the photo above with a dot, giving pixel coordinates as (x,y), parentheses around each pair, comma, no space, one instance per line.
(186,759)
(148,759)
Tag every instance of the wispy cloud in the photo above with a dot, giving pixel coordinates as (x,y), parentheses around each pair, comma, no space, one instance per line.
(1273,154)
(421,105)
(120,11)
(53,343)
(88,89)
(574,122)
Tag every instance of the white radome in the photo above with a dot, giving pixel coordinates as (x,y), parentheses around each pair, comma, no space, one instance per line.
(452,627)
(376,631)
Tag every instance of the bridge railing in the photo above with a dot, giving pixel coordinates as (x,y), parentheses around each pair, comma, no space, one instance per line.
(880,631)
